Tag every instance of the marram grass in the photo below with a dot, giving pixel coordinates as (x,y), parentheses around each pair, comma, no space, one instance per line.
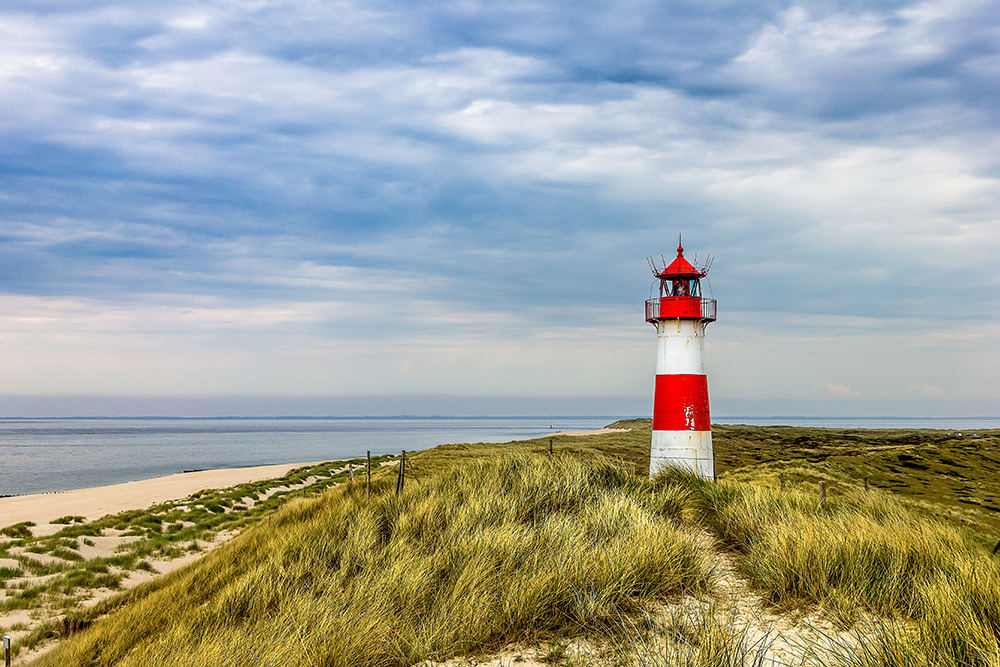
(866,555)
(519,548)
(512,549)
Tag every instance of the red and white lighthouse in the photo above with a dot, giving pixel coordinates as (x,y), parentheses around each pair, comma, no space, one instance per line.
(682,427)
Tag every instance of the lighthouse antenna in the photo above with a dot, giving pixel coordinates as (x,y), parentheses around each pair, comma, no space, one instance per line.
(708,264)
(664,262)
(652,265)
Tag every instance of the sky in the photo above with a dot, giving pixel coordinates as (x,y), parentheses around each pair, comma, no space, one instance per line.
(315,207)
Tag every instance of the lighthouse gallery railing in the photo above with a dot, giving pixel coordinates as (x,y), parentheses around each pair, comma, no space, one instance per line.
(669,307)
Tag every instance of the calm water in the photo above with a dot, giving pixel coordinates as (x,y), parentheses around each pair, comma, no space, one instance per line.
(39,456)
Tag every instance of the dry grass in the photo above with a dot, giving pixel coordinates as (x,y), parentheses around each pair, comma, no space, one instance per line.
(863,554)
(503,550)
(501,544)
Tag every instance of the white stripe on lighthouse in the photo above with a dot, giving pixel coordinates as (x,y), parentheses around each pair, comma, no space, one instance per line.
(681,347)
(688,450)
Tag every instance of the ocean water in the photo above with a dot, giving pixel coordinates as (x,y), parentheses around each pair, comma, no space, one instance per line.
(42,456)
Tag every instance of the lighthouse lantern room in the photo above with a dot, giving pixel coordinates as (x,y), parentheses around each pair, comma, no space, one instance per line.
(682,430)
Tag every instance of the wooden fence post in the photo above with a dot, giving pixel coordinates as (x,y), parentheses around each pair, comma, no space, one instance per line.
(996,549)
(368,476)
(822,494)
(6,650)
(550,449)
(409,464)
(401,480)
(868,483)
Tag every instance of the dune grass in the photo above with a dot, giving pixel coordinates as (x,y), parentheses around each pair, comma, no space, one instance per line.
(503,544)
(161,532)
(935,592)
(516,549)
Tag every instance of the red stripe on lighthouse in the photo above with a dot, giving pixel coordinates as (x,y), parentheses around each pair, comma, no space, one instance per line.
(681,403)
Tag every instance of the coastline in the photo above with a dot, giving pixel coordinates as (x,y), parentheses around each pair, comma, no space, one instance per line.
(94,502)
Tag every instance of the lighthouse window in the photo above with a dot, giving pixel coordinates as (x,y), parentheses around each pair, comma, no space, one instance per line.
(681,287)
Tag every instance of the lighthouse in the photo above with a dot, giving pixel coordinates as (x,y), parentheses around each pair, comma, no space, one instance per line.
(682,427)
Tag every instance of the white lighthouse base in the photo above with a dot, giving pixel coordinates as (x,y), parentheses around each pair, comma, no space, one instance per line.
(688,450)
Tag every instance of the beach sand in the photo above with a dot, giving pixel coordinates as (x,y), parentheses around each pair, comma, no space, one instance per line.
(93,503)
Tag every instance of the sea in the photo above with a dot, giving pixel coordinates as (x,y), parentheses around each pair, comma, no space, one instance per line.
(47,455)
(50,455)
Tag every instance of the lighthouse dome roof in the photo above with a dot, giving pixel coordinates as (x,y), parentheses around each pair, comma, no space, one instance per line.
(680,267)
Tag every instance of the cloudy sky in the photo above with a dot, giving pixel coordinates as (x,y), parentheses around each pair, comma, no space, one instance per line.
(319,207)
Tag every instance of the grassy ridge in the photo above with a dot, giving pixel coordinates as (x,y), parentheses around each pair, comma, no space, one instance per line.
(61,582)
(866,553)
(490,550)
(955,477)
(495,552)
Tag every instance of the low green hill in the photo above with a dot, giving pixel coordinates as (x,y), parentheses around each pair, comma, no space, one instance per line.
(499,544)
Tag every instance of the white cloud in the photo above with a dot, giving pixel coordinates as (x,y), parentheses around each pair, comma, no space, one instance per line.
(927,390)
(841,390)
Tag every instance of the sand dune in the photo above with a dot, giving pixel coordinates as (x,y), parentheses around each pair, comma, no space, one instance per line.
(96,502)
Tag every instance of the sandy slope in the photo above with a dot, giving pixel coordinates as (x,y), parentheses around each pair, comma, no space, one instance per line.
(98,501)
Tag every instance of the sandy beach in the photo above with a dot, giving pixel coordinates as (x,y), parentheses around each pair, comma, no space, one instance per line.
(96,502)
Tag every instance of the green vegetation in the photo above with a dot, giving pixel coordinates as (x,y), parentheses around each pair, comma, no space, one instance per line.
(503,544)
(865,554)
(499,551)
(61,576)
(954,477)
(74,518)
(17,530)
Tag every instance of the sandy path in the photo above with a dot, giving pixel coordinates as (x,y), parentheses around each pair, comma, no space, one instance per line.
(98,501)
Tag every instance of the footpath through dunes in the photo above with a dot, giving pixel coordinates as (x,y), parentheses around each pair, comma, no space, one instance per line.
(503,554)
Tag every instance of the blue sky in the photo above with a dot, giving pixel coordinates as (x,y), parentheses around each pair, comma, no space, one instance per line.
(303,207)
